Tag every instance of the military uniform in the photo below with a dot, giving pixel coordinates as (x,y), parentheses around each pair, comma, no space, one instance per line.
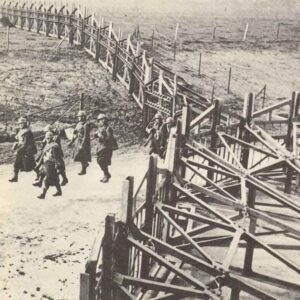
(51,160)
(82,149)
(25,150)
(104,148)
(61,168)
(154,135)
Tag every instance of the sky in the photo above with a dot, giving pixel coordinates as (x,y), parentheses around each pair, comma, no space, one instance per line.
(249,8)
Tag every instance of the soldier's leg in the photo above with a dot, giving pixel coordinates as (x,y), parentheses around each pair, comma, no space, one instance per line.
(62,172)
(58,190)
(45,189)
(40,182)
(106,173)
(17,163)
(84,165)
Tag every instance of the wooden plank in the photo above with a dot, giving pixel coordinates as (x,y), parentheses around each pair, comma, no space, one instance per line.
(84,293)
(162,286)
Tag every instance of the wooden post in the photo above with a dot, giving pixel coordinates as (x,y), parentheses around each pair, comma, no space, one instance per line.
(148,225)
(97,46)
(82,33)
(127,200)
(47,22)
(289,142)
(152,40)
(71,31)
(245,33)
(57,15)
(107,258)
(84,293)
(278,30)
(229,81)
(115,62)
(214,137)
(250,243)
(7,39)
(174,96)
(235,294)
(264,96)
(175,40)
(212,94)
(247,115)
(200,62)
(214,32)
(81,106)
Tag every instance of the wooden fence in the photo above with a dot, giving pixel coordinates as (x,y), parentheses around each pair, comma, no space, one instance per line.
(153,86)
(221,190)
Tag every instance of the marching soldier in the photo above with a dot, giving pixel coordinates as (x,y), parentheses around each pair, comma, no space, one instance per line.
(61,166)
(81,137)
(105,147)
(50,160)
(25,150)
(165,134)
(153,129)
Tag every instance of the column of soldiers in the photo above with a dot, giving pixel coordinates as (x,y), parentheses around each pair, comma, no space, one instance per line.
(50,162)
(159,132)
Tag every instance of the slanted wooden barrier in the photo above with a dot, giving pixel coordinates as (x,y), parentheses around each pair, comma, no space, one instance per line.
(211,196)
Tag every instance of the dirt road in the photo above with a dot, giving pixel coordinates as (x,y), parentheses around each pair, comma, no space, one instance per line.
(44,243)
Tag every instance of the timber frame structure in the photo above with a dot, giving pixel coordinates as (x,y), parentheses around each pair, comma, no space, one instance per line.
(218,211)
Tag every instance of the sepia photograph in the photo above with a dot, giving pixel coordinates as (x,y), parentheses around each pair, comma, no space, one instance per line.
(150,150)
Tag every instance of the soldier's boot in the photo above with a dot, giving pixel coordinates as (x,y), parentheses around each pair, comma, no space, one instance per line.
(83,169)
(43,194)
(106,175)
(15,177)
(58,191)
(65,179)
(40,182)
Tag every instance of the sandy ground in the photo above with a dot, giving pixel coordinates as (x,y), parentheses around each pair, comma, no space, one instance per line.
(44,243)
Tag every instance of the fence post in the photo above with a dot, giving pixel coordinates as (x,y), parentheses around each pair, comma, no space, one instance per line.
(149,206)
(175,41)
(82,33)
(229,81)
(200,62)
(71,32)
(152,40)
(7,39)
(214,137)
(97,45)
(174,96)
(289,142)
(245,136)
(214,32)
(245,33)
(278,30)
(115,62)
(107,258)
(81,105)
(57,17)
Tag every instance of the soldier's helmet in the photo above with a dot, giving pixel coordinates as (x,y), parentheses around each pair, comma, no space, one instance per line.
(101,117)
(158,116)
(22,120)
(81,113)
(49,135)
(169,120)
(48,128)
